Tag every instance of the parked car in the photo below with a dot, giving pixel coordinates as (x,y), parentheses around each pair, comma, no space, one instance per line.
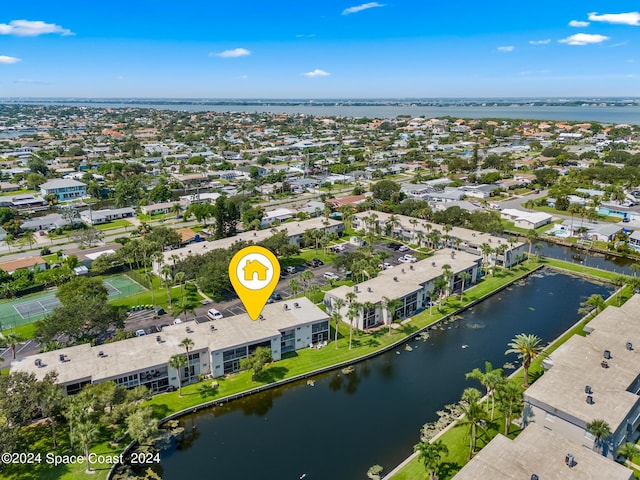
(403,248)
(214,314)
(331,276)
(275,297)
(290,269)
(140,333)
(385,266)
(394,245)
(152,329)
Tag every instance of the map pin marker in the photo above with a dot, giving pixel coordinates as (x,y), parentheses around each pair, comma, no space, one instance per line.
(254,272)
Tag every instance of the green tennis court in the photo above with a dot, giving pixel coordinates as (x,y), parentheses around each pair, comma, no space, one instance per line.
(21,311)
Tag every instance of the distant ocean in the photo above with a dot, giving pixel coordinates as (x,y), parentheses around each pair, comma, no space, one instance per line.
(605,114)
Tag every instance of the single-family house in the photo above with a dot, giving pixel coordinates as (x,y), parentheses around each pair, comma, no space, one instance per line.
(64,189)
(98,217)
(35,263)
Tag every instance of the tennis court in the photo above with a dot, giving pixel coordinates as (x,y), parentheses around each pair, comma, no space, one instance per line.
(22,311)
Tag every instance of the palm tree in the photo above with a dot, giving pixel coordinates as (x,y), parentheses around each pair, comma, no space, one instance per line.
(628,450)
(305,277)
(10,340)
(595,301)
(86,433)
(176,208)
(446,274)
(185,306)
(149,277)
(179,277)
(50,396)
(465,277)
(392,306)
(510,401)
(532,237)
(474,417)
(527,347)
(353,312)
(166,272)
(187,343)
(178,362)
(490,379)
(486,250)
(430,454)
(336,316)
(601,430)
(294,286)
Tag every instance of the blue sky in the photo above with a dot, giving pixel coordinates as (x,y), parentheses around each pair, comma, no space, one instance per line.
(319,49)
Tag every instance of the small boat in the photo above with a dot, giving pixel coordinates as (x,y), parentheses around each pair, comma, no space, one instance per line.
(465,346)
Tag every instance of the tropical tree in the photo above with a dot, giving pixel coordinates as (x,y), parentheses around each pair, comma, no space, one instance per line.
(594,302)
(187,344)
(305,277)
(150,277)
(474,416)
(352,313)
(486,250)
(178,362)
(510,402)
(166,271)
(179,277)
(532,237)
(86,433)
(10,340)
(141,426)
(527,347)
(50,397)
(628,450)
(491,378)
(392,305)
(601,430)
(336,316)
(465,277)
(256,361)
(430,454)
(294,286)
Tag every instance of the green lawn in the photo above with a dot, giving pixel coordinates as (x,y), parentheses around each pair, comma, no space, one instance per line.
(306,255)
(122,223)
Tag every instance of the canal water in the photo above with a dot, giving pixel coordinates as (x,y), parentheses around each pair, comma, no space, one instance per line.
(612,263)
(344,424)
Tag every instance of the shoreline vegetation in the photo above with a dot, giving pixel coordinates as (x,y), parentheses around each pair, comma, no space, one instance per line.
(307,363)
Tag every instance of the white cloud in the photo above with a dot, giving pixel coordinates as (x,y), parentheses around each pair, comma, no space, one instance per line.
(31,28)
(629,18)
(30,81)
(236,52)
(506,48)
(4,59)
(540,42)
(578,24)
(301,35)
(584,39)
(360,8)
(316,73)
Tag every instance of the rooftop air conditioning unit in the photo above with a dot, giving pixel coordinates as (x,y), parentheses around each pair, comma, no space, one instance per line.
(261,317)
(158,338)
(403,270)
(410,267)
(607,354)
(568,459)
(355,288)
(589,399)
(534,476)
(296,305)
(101,353)
(38,362)
(61,357)
(629,346)
(588,390)
(395,279)
(285,307)
(369,289)
(433,264)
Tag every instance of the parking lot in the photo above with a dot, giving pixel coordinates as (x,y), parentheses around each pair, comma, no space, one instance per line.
(233,306)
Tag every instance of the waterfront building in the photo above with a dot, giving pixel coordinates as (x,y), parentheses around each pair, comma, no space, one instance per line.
(539,454)
(411,283)
(294,229)
(420,232)
(524,219)
(218,346)
(592,377)
(64,189)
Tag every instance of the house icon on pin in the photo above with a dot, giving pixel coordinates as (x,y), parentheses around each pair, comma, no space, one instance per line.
(252,268)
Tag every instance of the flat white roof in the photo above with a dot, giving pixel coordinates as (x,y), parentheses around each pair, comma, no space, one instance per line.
(145,352)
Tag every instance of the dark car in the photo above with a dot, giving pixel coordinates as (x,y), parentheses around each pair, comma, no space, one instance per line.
(316,262)
(276,296)
(171,388)
(152,329)
(394,245)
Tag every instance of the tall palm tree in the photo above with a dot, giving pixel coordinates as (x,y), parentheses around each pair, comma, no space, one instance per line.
(187,344)
(305,277)
(353,312)
(149,277)
(532,237)
(601,430)
(465,277)
(527,347)
(10,340)
(430,454)
(486,250)
(336,316)
(628,450)
(446,274)
(179,277)
(392,305)
(594,302)
(474,417)
(510,402)
(86,433)
(294,286)
(178,362)
(490,379)
(166,271)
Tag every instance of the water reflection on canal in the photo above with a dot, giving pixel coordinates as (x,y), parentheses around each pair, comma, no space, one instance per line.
(346,423)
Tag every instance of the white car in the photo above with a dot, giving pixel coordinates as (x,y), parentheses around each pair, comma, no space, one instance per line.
(214,314)
(140,333)
(331,276)
(403,248)
(404,260)
(385,266)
